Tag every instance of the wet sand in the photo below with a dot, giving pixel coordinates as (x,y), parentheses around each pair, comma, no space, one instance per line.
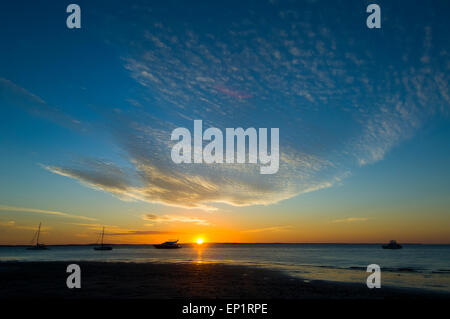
(178,281)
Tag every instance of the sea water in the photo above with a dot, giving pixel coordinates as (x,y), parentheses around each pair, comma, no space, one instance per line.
(414,266)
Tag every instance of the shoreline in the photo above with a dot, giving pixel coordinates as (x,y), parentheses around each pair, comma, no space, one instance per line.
(157,280)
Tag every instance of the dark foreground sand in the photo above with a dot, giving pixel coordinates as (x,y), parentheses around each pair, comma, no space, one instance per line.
(177,281)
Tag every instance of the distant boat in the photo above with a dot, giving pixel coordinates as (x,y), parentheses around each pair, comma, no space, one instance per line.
(38,246)
(392,245)
(168,245)
(102,246)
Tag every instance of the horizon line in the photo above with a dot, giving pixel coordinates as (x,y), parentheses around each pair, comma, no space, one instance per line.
(229,243)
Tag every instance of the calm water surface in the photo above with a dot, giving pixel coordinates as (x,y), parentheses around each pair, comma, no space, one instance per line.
(419,266)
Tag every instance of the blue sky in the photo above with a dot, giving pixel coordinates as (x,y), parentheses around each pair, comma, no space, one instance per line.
(86,114)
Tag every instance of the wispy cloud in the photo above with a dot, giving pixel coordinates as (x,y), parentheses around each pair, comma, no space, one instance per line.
(113,230)
(13,95)
(351,220)
(186,189)
(336,108)
(175,219)
(95,227)
(141,233)
(13,224)
(268,229)
(10,223)
(42,211)
(105,176)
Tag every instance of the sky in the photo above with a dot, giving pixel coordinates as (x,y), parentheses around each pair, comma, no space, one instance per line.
(363,114)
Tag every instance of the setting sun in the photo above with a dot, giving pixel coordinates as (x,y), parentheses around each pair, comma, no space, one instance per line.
(199,241)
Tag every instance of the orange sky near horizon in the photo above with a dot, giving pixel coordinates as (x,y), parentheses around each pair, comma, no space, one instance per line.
(351,230)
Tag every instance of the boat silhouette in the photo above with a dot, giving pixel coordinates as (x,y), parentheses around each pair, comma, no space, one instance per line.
(168,245)
(38,246)
(103,246)
(392,245)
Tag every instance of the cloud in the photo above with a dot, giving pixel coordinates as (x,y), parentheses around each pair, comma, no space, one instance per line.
(185,188)
(95,227)
(112,230)
(9,223)
(338,106)
(13,224)
(175,219)
(351,220)
(156,179)
(15,96)
(140,233)
(268,229)
(42,211)
(101,176)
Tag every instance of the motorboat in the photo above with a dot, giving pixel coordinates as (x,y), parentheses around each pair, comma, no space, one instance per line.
(392,245)
(168,245)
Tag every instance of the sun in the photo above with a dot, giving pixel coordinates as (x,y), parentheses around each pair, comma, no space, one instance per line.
(199,241)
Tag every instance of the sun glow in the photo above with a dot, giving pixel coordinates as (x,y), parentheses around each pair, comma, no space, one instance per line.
(199,241)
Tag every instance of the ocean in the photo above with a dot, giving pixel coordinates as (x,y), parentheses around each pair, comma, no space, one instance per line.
(414,266)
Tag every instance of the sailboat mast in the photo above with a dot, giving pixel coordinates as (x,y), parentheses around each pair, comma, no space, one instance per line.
(103,234)
(39,232)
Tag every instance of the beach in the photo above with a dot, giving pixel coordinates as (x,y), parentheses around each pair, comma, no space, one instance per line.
(125,280)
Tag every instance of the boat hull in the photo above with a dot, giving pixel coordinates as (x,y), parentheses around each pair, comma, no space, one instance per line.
(167,247)
(392,247)
(102,248)
(37,248)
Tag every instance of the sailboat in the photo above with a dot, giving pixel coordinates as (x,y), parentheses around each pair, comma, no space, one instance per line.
(38,246)
(102,246)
